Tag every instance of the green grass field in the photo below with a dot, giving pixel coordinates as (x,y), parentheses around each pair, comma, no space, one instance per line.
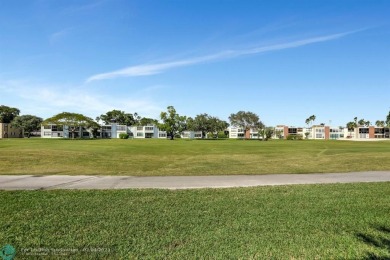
(334,221)
(189,157)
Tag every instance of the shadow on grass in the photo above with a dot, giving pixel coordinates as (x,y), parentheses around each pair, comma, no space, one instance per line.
(380,241)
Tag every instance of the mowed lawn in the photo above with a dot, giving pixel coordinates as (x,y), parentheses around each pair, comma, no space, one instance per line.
(189,157)
(333,221)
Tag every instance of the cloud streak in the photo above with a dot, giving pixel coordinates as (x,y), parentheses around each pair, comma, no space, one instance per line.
(152,69)
(48,99)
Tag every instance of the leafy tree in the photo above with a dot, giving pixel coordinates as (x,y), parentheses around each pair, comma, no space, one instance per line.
(172,122)
(7,114)
(206,124)
(380,123)
(217,125)
(266,133)
(279,134)
(147,121)
(361,122)
(119,117)
(72,120)
(28,123)
(388,120)
(200,123)
(246,120)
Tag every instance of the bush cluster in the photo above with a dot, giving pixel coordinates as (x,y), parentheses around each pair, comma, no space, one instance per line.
(123,136)
(294,137)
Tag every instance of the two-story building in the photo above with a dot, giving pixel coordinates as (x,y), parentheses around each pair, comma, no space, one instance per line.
(8,131)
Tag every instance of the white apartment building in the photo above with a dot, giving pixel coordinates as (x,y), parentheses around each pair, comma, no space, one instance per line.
(59,131)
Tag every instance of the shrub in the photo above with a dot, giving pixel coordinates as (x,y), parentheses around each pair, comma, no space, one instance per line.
(123,136)
(294,137)
(222,134)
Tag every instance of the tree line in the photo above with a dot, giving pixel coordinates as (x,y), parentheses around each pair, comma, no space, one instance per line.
(170,121)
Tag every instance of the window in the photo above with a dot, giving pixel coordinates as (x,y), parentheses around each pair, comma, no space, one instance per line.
(379,130)
(198,135)
(149,128)
(140,134)
(240,135)
(46,133)
(363,130)
(57,128)
(121,128)
(162,134)
(292,130)
(47,127)
(319,136)
(140,128)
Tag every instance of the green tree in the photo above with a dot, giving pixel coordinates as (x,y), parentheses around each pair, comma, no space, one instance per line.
(388,120)
(246,120)
(72,120)
(147,121)
(361,122)
(217,125)
(266,133)
(310,119)
(28,123)
(172,122)
(380,123)
(279,134)
(119,117)
(351,126)
(7,114)
(206,124)
(201,122)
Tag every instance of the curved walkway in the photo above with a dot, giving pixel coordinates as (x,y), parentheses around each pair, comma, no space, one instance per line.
(49,182)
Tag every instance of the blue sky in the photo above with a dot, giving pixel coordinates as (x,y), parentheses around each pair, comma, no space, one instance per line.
(284,60)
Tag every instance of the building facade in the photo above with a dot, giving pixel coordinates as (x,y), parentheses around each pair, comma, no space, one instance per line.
(59,131)
(8,131)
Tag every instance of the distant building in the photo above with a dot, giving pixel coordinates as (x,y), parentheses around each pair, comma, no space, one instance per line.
(8,131)
(59,131)
(315,132)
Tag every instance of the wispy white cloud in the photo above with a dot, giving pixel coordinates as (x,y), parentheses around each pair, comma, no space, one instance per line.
(151,69)
(57,36)
(49,99)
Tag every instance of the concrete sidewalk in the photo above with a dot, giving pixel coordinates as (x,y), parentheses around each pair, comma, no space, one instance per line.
(50,182)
